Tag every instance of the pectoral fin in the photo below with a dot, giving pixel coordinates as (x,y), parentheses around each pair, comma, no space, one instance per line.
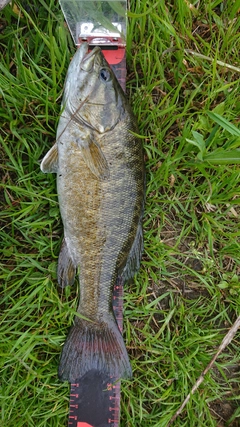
(95,159)
(49,163)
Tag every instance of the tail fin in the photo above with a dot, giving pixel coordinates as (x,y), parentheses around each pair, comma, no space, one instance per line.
(97,346)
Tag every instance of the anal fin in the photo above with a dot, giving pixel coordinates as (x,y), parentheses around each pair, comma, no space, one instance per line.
(66,268)
(134,258)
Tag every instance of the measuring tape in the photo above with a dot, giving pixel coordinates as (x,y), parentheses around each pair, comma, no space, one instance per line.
(95,398)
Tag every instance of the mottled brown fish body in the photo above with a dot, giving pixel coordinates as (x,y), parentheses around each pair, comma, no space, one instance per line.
(101,216)
(100,181)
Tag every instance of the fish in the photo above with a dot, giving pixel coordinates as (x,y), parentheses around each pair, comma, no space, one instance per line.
(99,162)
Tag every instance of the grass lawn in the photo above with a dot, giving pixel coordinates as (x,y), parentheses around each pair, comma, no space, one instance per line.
(183,84)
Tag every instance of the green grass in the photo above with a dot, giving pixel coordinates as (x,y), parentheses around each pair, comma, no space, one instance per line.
(187,293)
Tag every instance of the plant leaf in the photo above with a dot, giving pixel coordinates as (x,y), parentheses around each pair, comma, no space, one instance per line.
(224,123)
(223,157)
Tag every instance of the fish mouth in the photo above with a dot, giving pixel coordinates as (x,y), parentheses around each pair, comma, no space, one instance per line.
(79,56)
(84,59)
(88,59)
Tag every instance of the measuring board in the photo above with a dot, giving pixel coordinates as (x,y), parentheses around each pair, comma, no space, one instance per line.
(95,397)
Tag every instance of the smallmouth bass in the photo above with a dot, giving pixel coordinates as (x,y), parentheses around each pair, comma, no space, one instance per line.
(100,184)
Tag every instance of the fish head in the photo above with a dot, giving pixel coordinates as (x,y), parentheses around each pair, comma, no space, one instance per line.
(93,95)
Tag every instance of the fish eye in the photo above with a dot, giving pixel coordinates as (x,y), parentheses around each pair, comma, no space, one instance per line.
(105,74)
